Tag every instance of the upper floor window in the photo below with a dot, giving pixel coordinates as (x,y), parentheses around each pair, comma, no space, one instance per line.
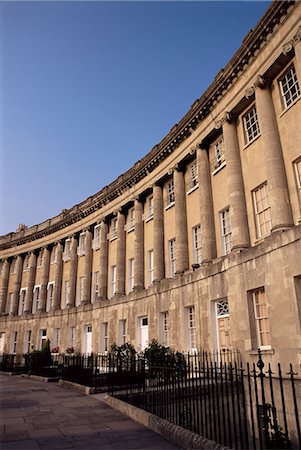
(67,250)
(150,267)
(113,229)
(251,125)
(26,263)
(226,230)
(289,87)
(96,239)
(13,266)
(40,258)
(219,160)
(81,290)
(22,301)
(172,257)
(170,193)
(96,286)
(149,208)
(130,221)
(193,175)
(50,296)
(82,244)
(196,242)
(36,299)
(131,274)
(53,255)
(262,211)
(65,292)
(297,169)
(113,280)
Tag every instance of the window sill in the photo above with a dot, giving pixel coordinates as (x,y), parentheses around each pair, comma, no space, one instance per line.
(130,229)
(169,206)
(192,189)
(149,218)
(290,106)
(263,351)
(215,171)
(251,142)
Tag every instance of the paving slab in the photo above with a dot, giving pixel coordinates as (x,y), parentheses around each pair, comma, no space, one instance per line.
(39,416)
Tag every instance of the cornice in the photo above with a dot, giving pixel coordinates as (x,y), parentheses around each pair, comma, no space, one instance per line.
(199,110)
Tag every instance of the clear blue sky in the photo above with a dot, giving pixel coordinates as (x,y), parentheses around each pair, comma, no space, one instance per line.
(88,88)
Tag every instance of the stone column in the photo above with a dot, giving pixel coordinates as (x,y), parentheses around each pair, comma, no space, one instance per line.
(238,209)
(158,233)
(103,268)
(44,279)
(138,247)
(58,276)
(208,243)
(72,273)
(18,280)
(120,263)
(4,286)
(30,284)
(281,215)
(182,257)
(88,268)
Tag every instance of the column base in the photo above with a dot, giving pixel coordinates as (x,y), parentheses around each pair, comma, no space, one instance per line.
(240,247)
(139,287)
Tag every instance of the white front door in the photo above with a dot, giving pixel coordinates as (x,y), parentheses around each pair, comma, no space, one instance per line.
(143,332)
(88,339)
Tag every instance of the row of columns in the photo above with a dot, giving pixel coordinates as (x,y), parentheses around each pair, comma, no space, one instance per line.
(280,209)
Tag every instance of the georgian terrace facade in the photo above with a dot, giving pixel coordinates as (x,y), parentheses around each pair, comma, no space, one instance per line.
(199,244)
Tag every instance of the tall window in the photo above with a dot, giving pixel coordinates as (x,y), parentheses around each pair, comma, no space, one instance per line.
(165,328)
(226,230)
(13,266)
(104,337)
(26,265)
(65,292)
(122,332)
(96,286)
(22,301)
(36,298)
(50,295)
(297,169)
(251,125)
(82,244)
(130,222)
(72,337)
(191,329)
(131,274)
(261,319)
(289,87)
(150,267)
(196,242)
(149,207)
(218,160)
(67,250)
(14,342)
(42,339)
(262,211)
(113,280)
(170,193)
(80,290)
(53,255)
(10,302)
(172,257)
(27,346)
(193,175)
(113,229)
(40,258)
(96,238)
(57,336)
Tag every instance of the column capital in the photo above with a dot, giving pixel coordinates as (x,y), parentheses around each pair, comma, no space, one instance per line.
(226,117)
(260,82)
(288,46)
(174,168)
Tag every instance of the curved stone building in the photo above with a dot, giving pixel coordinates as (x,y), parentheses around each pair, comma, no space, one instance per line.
(197,245)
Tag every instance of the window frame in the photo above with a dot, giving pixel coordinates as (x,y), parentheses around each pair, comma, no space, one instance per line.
(226,231)
(197,249)
(263,212)
(170,193)
(113,280)
(261,319)
(150,267)
(172,257)
(252,131)
(284,100)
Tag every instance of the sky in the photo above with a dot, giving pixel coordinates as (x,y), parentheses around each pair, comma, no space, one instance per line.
(89,88)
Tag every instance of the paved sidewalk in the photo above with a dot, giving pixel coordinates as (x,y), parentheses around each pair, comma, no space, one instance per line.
(37,415)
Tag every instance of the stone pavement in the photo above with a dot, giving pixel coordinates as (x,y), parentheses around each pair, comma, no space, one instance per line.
(38,415)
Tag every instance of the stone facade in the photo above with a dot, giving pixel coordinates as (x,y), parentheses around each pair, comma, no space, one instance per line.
(199,244)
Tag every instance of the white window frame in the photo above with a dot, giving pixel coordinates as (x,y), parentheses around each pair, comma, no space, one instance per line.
(262,212)
(226,231)
(40,258)
(96,286)
(66,290)
(53,256)
(150,267)
(104,344)
(42,337)
(50,295)
(219,159)
(170,193)
(122,332)
(36,298)
(261,317)
(67,250)
(72,336)
(251,125)
(172,257)
(14,342)
(131,266)
(289,87)
(22,297)
(196,242)
(96,238)
(297,172)
(26,267)
(113,229)
(130,220)
(113,280)
(81,250)
(191,325)
(149,208)
(28,341)
(193,182)
(81,281)
(57,338)
(165,328)
(10,302)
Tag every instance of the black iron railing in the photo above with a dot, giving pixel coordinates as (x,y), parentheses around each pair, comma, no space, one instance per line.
(248,407)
